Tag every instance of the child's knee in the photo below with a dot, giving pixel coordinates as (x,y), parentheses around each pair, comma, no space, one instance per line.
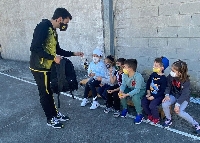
(153,106)
(165,105)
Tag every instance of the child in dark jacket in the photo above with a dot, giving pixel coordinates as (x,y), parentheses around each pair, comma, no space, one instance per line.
(112,94)
(155,88)
(178,92)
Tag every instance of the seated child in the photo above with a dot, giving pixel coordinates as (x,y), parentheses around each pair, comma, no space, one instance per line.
(97,68)
(112,95)
(106,81)
(155,88)
(133,85)
(178,92)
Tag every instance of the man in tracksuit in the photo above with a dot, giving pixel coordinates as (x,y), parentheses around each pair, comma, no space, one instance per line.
(45,50)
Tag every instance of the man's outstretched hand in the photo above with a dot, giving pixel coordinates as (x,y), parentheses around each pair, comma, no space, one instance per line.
(78,54)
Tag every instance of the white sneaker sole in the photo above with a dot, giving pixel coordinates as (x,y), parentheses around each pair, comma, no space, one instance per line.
(54,127)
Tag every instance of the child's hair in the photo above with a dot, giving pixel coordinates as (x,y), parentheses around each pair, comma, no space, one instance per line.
(121,60)
(181,67)
(159,60)
(111,59)
(132,63)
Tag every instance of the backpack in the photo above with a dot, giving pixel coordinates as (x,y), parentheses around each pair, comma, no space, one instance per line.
(63,78)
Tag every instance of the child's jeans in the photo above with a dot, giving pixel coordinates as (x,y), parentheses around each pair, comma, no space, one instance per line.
(151,106)
(182,113)
(102,90)
(136,100)
(91,85)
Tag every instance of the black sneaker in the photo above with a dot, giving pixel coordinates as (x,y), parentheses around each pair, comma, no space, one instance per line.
(116,113)
(54,123)
(62,117)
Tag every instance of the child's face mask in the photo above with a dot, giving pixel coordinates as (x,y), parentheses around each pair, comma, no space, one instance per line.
(173,74)
(96,59)
(125,71)
(156,70)
(108,65)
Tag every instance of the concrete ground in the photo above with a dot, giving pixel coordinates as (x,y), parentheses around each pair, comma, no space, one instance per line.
(22,118)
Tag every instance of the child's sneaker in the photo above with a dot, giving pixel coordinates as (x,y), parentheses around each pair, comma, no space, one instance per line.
(62,117)
(197,129)
(84,102)
(124,113)
(54,123)
(138,119)
(167,123)
(116,113)
(155,121)
(149,118)
(107,110)
(95,104)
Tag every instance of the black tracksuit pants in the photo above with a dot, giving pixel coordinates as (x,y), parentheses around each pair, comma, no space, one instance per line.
(46,95)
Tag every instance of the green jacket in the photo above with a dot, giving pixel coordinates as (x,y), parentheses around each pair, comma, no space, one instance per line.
(45,46)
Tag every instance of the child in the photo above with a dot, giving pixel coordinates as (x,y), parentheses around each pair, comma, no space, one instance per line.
(112,95)
(107,82)
(155,88)
(178,92)
(96,69)
(132,85)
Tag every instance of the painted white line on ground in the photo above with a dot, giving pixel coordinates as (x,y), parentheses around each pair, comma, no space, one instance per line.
(103,106)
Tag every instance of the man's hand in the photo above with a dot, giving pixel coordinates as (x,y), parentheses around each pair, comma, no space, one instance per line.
(176,109)
(150,98)
(91,74)
(99,78)
(57,59)
(166,98)
(78,54)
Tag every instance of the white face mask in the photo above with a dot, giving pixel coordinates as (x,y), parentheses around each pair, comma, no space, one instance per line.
(173,74)
(95,59)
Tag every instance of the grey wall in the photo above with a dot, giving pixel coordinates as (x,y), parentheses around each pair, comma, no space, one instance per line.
(145,29)
(19,18)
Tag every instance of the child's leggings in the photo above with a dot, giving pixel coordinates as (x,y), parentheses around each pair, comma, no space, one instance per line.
(182,113)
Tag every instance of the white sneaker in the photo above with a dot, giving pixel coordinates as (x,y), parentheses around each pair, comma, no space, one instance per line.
(84,102)
(95,104)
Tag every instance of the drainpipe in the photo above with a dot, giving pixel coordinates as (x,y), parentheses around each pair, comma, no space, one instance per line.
(111,24)
(0,52)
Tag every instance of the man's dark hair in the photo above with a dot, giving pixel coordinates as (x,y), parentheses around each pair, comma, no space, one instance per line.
(132,63)
(121,60)
(61,12)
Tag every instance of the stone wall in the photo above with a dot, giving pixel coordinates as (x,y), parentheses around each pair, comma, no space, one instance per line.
(19,18)
(145,29)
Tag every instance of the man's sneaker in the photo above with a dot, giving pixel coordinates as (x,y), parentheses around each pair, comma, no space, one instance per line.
(138,119)
(197,129)
(124,113)
(54,123)
(167,123)
(155,121)
(107,110)
(84,102)
(116,113)
(149,118)
(62,117)
(95,104)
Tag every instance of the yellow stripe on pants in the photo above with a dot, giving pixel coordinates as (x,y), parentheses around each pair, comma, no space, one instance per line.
(45,81)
